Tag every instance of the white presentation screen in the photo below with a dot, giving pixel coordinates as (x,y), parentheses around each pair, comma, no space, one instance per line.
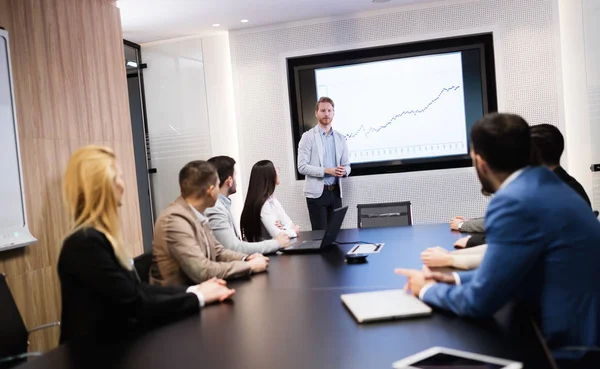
(10,185)
(407,108)
(13,227)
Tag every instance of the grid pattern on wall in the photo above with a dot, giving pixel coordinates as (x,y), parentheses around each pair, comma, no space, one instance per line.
(526,57)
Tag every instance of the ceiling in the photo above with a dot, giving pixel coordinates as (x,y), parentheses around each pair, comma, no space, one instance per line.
(153,20)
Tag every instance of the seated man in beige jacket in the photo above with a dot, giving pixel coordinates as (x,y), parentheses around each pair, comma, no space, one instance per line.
(185,252)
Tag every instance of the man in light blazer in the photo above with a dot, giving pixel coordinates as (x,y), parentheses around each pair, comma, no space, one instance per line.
(221,220)
(323,159)
(542,246)
(185,250)
(472,225)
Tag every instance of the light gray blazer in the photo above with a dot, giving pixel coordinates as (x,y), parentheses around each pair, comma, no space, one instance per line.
(310,160)
(222,224)
(473,225)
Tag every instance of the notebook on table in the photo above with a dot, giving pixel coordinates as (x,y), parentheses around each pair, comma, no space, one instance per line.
(384,305)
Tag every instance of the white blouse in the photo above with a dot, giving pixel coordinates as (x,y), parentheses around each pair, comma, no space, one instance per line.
(271,212)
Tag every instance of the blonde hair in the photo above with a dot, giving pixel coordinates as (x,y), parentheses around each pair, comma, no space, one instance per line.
(89,194)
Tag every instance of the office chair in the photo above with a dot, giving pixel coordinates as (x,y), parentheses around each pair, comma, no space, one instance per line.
(14,334)
(393,214)
(142,265)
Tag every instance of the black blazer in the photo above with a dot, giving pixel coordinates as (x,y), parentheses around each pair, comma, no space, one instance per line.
(101,298)
(476,239)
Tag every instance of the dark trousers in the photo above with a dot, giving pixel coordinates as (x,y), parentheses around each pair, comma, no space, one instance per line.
(321,209)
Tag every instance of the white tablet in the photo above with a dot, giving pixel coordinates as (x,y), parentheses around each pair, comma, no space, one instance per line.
(441,357)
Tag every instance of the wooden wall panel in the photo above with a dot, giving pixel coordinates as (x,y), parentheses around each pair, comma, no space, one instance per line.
(70,90)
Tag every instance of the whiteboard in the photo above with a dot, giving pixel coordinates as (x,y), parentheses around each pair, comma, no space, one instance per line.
(13,218)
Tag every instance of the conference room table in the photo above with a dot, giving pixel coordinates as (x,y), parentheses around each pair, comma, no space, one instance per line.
(292,317)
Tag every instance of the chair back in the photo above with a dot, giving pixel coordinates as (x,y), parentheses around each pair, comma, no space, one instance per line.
(142,265)
(393,214)
(13,332)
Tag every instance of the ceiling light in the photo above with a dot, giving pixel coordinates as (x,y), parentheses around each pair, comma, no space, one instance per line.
(132,64)
(381,1)
(216,25)
(244,21)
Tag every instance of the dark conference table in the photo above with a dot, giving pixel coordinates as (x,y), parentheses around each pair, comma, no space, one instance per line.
(292,317)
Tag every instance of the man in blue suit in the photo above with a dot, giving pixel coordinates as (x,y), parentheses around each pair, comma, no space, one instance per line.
(543,245)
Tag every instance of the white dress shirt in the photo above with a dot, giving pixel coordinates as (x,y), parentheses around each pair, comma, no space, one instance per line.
(271,213)
(199,295)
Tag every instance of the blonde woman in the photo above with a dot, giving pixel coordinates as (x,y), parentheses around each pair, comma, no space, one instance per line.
(101,293)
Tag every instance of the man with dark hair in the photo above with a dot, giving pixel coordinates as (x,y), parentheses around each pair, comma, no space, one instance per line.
(221,220)
(542,245)
(548,146)
(185,250)
(323,159)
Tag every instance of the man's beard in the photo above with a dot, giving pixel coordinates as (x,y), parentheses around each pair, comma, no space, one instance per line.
(486,184)
(232,190)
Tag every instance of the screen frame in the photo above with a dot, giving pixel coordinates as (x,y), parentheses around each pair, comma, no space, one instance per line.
(15,236)
(413,359)
(484,42)
(23,220)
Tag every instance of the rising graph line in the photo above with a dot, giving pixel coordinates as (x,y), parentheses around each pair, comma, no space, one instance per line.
(414,112)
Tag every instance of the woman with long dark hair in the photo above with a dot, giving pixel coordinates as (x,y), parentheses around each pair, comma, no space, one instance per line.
(263,216)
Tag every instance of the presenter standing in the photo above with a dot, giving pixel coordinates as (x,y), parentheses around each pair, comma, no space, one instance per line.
(323,159)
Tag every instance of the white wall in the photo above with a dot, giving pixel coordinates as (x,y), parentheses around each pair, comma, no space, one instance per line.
(177,110)
(221,107)
(527,65)
(546,63)
(190,106)
(591,35)
(574,92)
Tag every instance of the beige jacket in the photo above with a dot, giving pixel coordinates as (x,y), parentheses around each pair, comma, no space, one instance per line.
(186,252)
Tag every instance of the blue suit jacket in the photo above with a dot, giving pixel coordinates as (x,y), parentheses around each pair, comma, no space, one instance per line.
(543,249)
